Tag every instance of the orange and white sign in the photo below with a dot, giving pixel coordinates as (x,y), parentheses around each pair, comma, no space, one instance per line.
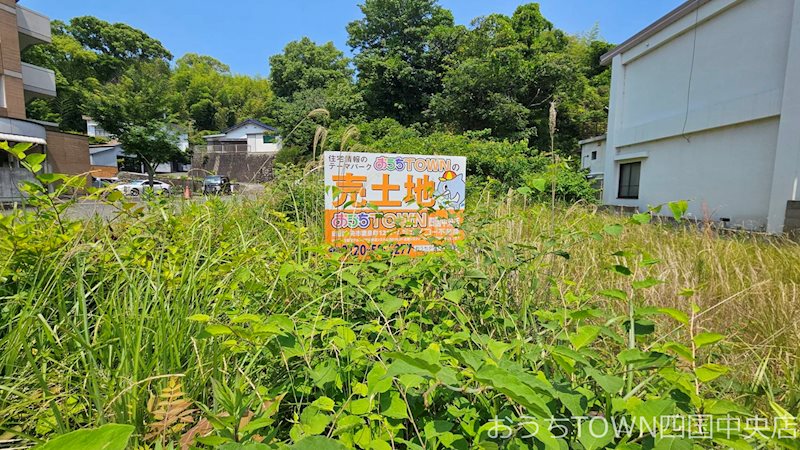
(409,204)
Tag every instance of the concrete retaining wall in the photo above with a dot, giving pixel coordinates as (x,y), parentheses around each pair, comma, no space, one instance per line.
(240,167)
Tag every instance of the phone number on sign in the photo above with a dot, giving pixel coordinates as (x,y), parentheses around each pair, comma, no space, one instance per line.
(363,249)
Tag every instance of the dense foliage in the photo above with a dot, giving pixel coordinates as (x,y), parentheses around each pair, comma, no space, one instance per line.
(87,51)
(412,64)
(228,324)
(135,109)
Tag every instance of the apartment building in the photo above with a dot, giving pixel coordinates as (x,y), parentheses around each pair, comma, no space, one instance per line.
(20,83)
(705,107)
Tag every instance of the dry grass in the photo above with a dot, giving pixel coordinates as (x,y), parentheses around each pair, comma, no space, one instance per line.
(746,285)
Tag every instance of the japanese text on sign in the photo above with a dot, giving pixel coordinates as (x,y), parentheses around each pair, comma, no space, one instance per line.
(413,202)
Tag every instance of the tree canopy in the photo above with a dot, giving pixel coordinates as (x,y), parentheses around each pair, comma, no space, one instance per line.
(401,49)
(135,109)
(498,77)
(306,65)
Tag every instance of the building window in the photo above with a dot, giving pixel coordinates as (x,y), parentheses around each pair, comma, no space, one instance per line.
(594,155)
(269,139)
(629,180)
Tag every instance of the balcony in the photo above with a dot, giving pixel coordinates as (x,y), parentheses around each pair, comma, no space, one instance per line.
(38,82)
(34,28)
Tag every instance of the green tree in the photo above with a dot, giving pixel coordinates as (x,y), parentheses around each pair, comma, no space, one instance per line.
(306,65)
(509,70)
(83,51)
(135,109)
(402,47)
(342,101)
(212,98)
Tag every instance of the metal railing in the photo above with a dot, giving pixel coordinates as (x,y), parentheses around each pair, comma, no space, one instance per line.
(222,148)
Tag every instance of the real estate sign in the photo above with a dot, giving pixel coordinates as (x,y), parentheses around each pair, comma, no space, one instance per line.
(412,204)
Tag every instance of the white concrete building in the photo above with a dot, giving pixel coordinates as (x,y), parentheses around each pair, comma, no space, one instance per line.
(250,136)
(705,107)
(593,158)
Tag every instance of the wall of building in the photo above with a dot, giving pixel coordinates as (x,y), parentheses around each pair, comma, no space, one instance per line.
(700,104)
(592,155)
(12,102)
(717,171)
(68,153)
(106,156)
(255,143)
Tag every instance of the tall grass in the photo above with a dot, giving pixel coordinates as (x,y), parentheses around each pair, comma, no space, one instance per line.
(89,330)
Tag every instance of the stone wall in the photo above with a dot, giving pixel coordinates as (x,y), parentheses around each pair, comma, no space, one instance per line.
(239,167)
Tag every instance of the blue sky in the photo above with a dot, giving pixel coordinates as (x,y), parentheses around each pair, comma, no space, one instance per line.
(245,33)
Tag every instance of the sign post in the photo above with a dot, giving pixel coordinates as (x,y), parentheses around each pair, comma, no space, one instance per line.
(408,204)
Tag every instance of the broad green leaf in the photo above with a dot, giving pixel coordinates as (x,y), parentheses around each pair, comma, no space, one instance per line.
(673,443)
(724,408)
(455,296)
(107,437)
(200,318)
(540,429)
(614,293)
(641,219)
(709,372)
(114,196)
(246,318)
(735,444)
(349,277)
(633,356)
(286,269)
(610,383)
(540,184)
(362,437)
(389,304)
(216,329)
(377,382)
(647,415)
(35,158)
(705,339)
(596,433)
(678,315)
(646,283)
(393,406)
(622,270)
(497,348)
(50,178)
(679,209)
(359,407)
(347,423)
(613,230)
(475,274)
(584,336)
(415,361)
(511,386)
(679,349)
(314,421)
(324,404)
(318,443)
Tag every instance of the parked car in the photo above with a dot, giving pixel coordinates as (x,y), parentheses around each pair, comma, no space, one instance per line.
(101,182)
(217,185)
(137,187)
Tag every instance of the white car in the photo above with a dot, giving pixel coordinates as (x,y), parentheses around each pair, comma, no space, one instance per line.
(138,187)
